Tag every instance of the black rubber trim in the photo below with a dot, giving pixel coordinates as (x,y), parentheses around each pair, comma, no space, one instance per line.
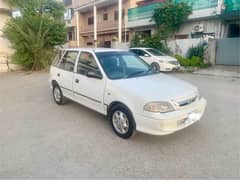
(82,95)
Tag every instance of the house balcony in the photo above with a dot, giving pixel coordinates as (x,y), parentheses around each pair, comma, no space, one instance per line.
(86,5)
(232,10)
(141,16)
(101,27)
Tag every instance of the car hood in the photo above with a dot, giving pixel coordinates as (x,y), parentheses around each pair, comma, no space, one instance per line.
(157,87)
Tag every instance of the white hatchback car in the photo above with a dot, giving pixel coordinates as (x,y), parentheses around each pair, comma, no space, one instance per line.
(157,59)
(127,90)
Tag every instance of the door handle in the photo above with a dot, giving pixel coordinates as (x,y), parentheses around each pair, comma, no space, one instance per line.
(58,74)
(76,80)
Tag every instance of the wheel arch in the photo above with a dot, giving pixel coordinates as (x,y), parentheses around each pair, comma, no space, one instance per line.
(114,103)
(54,83)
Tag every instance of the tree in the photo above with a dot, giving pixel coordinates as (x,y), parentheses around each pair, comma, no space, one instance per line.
(153,41)
(169,17)
(34,34)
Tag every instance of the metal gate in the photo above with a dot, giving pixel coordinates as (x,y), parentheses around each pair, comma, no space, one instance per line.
(228,51)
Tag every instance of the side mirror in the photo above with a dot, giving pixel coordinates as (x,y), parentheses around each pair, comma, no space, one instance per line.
(95,75)
(146,55)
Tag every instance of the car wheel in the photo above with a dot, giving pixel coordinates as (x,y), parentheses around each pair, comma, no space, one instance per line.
(58,95)
(155,66)
(122,121)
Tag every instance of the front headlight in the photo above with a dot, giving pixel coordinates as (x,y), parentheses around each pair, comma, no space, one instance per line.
(174,63)
(161,107)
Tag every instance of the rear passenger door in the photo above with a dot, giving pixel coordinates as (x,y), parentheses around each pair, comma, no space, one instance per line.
(65,72)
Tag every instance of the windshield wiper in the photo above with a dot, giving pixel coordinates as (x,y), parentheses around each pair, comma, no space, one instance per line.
(135,73)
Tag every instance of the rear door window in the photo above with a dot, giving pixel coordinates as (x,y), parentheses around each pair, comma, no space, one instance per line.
(68,61)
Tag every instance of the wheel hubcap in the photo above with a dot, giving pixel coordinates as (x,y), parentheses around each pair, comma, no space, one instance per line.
(120,122)
(57,94)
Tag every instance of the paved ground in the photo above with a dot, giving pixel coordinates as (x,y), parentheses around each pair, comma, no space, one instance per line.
(220,71)
(39,139)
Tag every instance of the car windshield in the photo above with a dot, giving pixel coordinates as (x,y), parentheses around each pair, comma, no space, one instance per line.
(156,52)
(120,65)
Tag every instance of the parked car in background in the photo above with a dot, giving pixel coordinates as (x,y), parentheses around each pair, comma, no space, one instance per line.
(127,90)
(157,59)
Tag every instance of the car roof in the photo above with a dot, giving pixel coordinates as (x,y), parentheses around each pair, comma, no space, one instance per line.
(141,48)
(94,49)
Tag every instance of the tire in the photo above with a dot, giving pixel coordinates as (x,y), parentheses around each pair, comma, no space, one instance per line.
(122,121)
(155,66)
(58,95)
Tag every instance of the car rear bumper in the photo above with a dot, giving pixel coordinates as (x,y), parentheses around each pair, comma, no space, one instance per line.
(168,123)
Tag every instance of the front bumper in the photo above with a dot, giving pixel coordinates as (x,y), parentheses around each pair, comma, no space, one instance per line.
(168,123)
(168,67)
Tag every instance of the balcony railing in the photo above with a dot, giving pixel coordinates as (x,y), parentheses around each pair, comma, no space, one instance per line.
(77,3)
(146,12)
(232,5)
(200,4)
(232,10)
(101,26)
(142,12)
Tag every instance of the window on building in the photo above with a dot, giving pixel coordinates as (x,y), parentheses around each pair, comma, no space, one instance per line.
(105,16)
(116,15)
(125,38)
(234,30)
(90,20)
(89,44)
(181,36)
(71,36)
(201,35)
(144,34)
(68,61)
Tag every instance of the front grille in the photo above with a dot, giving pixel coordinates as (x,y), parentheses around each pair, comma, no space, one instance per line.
(174,62)
(187,101)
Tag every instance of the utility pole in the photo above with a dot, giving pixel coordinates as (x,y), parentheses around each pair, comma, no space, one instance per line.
(77,29)
(95,23)
(120,21)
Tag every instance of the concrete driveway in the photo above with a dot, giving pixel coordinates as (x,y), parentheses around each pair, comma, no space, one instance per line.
(39,139)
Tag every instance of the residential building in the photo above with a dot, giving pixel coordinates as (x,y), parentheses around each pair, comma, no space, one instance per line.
(211,19)
(81,24)
(215,18)
(4,16)
(214,21)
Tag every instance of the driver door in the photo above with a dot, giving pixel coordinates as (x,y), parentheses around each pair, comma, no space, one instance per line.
(89,91)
